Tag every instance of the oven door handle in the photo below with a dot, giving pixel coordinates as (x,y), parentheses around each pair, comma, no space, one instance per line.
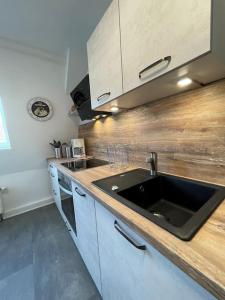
(65,190)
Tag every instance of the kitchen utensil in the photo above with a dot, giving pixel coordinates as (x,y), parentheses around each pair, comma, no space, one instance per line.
(68,152)
(58,153)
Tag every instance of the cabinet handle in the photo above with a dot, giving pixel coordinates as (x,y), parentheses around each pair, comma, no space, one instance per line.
(103,95)
(53,176)
(165,59)
(129,239)
(79,193)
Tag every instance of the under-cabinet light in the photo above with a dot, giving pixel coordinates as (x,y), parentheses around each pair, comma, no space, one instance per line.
(184,82)
(114,109)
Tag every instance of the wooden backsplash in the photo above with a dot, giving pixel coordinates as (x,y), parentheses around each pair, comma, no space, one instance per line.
(187,131)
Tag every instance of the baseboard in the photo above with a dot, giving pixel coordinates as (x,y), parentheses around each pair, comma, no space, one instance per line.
(25,208)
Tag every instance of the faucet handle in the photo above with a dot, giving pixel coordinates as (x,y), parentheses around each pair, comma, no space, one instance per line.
(152,156)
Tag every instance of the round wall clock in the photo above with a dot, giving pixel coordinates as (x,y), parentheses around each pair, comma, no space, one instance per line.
(40,109)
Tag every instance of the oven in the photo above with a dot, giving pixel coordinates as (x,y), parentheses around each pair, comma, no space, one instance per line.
(66,196)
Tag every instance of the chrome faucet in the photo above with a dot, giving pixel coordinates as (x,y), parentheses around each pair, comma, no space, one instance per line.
(152,160)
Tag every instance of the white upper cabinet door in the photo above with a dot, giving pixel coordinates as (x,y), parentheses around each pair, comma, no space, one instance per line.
(160,35)
(104,58)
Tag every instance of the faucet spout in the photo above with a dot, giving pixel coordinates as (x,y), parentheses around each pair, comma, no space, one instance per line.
(152,160)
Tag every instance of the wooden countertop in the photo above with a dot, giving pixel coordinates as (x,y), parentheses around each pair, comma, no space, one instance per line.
(202,258)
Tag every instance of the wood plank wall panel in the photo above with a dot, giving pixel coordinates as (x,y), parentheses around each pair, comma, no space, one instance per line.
(187,131)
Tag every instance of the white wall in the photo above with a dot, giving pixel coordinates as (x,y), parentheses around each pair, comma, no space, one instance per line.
(23,169)
(27,190)
(77,66)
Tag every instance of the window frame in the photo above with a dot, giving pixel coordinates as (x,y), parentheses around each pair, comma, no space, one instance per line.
(6,145)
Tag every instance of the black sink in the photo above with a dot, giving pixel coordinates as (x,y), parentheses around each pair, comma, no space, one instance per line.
(178,205)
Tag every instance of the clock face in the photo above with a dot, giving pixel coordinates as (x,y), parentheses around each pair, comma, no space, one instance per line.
(40,109)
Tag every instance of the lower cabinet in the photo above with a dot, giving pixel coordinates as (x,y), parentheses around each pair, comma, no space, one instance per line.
(122,264)
(84,206)
(55,185)
(131,269)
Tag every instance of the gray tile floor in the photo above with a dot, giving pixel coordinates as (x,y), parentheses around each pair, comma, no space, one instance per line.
(39,261)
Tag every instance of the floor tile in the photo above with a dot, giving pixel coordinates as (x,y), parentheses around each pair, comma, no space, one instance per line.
(46,221)
(38,260)
(16,245)
(18,286)
(59,272)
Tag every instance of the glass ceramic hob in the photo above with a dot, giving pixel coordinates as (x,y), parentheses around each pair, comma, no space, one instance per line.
(83,164)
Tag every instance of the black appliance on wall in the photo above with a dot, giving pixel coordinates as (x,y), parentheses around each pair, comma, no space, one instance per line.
(82,100)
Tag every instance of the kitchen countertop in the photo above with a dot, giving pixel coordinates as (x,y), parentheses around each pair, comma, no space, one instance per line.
(202,258)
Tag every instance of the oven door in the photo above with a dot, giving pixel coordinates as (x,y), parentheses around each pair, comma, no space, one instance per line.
(66,196)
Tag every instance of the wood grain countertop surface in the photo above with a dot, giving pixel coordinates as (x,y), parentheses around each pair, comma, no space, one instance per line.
(202,258)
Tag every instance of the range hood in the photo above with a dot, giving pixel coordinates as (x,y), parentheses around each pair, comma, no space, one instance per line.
(82,100)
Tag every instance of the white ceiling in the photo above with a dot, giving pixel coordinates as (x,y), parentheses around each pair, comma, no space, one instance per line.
(50,25)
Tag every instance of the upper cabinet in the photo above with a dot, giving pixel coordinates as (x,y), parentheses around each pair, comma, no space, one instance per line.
(104,58)
(141,50)
(158,36)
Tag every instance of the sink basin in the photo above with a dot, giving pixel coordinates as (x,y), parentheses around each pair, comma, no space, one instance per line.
(179,205)
(168,198)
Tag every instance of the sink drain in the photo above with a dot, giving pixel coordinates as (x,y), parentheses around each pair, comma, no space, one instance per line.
(160,216)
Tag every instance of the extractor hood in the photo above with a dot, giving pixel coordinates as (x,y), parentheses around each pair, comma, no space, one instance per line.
(82,100)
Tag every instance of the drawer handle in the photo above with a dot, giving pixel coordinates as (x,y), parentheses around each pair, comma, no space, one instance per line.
(79,193)
(103,95)
(158,62)
(129,239)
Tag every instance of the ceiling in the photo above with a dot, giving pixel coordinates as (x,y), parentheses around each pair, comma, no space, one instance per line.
(50,25)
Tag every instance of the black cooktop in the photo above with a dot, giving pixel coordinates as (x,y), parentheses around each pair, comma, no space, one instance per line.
(82,164)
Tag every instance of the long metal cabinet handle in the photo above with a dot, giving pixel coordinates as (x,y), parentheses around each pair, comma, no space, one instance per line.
(129,239)
(65,190)
(79,193)
(165,59)
(101,96)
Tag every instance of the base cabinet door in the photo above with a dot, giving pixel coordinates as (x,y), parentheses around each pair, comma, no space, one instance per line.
(87,241)
(55,186)
(131,269)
